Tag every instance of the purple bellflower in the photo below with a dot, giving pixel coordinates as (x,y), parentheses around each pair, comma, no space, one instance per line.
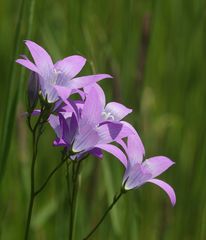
(83,131)
(112,111)
(62,73)
(138,173)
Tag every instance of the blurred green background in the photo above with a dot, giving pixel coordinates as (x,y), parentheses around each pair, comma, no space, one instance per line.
(156,51)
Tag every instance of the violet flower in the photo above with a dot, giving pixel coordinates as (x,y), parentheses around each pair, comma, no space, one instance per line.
(112,111)
(62,73)
(84,132)
(138,173)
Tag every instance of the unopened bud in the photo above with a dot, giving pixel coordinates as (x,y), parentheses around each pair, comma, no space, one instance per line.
(33,89)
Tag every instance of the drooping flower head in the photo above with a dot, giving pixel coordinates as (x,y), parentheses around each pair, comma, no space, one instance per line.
(62,73)
(139,172)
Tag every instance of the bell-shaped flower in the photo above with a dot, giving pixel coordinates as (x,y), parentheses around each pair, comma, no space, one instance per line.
(83,131)
(112,111)
(139,172)
(62,73)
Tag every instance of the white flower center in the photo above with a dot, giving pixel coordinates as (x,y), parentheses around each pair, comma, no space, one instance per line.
(107,115)
(55,76)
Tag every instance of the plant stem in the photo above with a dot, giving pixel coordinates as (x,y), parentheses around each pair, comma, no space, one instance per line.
(32,191)
(75,175)
(50,175)
(36,133)
(116,198)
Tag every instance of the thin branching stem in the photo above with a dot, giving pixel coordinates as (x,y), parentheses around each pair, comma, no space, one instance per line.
(35,140)
(50,176)
(115,199)
(75,175)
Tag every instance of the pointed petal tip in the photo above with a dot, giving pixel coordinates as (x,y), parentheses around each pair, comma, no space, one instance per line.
(108,76)
(80,57)
(167,188)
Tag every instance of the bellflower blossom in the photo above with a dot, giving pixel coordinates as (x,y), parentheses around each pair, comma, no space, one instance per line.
(83,131)
(138,173)
(112,111)
(62,73)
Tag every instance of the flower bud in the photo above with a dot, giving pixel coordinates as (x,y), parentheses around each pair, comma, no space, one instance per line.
(33,89)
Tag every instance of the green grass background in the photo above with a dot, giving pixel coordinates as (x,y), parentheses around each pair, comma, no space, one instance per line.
(156,51)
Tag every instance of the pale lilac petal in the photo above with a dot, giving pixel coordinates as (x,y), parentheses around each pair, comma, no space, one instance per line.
(28,64)
(122,144)
(167,188)
(132,129)
(63,92)
(112,131)
(134,150)
(55,124)
(67,113)
(86,138)
(49,92)
(81,93)
(92,109)
(99,90)
(68,68)
(82,82)
(157,165)
(42,59)
(72,107)
(117,110)
(135,176)
(114,151)
(91,113)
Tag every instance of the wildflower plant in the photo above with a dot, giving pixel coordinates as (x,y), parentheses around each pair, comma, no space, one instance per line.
(83,127)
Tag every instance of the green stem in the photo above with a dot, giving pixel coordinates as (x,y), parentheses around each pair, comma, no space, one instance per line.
(116,198)
(32,191)
(50,176)
(75,175)
(36,133)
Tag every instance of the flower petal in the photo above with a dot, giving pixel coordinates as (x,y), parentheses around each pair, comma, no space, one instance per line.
(117,110)
(114,151)
(28,64)
(58,142)
(69,67)
(99,90)
(167,188)
(42,59)
(69,127)
(111,131)
(63,92)
(55,124)
(157,165)
(86,138)
(132,129)
(134,150)
(135,176)
(82,82)
(96,152)
(92,109)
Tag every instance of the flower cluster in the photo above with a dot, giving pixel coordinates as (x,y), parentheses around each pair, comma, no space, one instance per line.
(84,123)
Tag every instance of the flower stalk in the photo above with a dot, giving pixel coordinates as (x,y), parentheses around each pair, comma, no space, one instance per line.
(36,133)
(115,200)
(75,187)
